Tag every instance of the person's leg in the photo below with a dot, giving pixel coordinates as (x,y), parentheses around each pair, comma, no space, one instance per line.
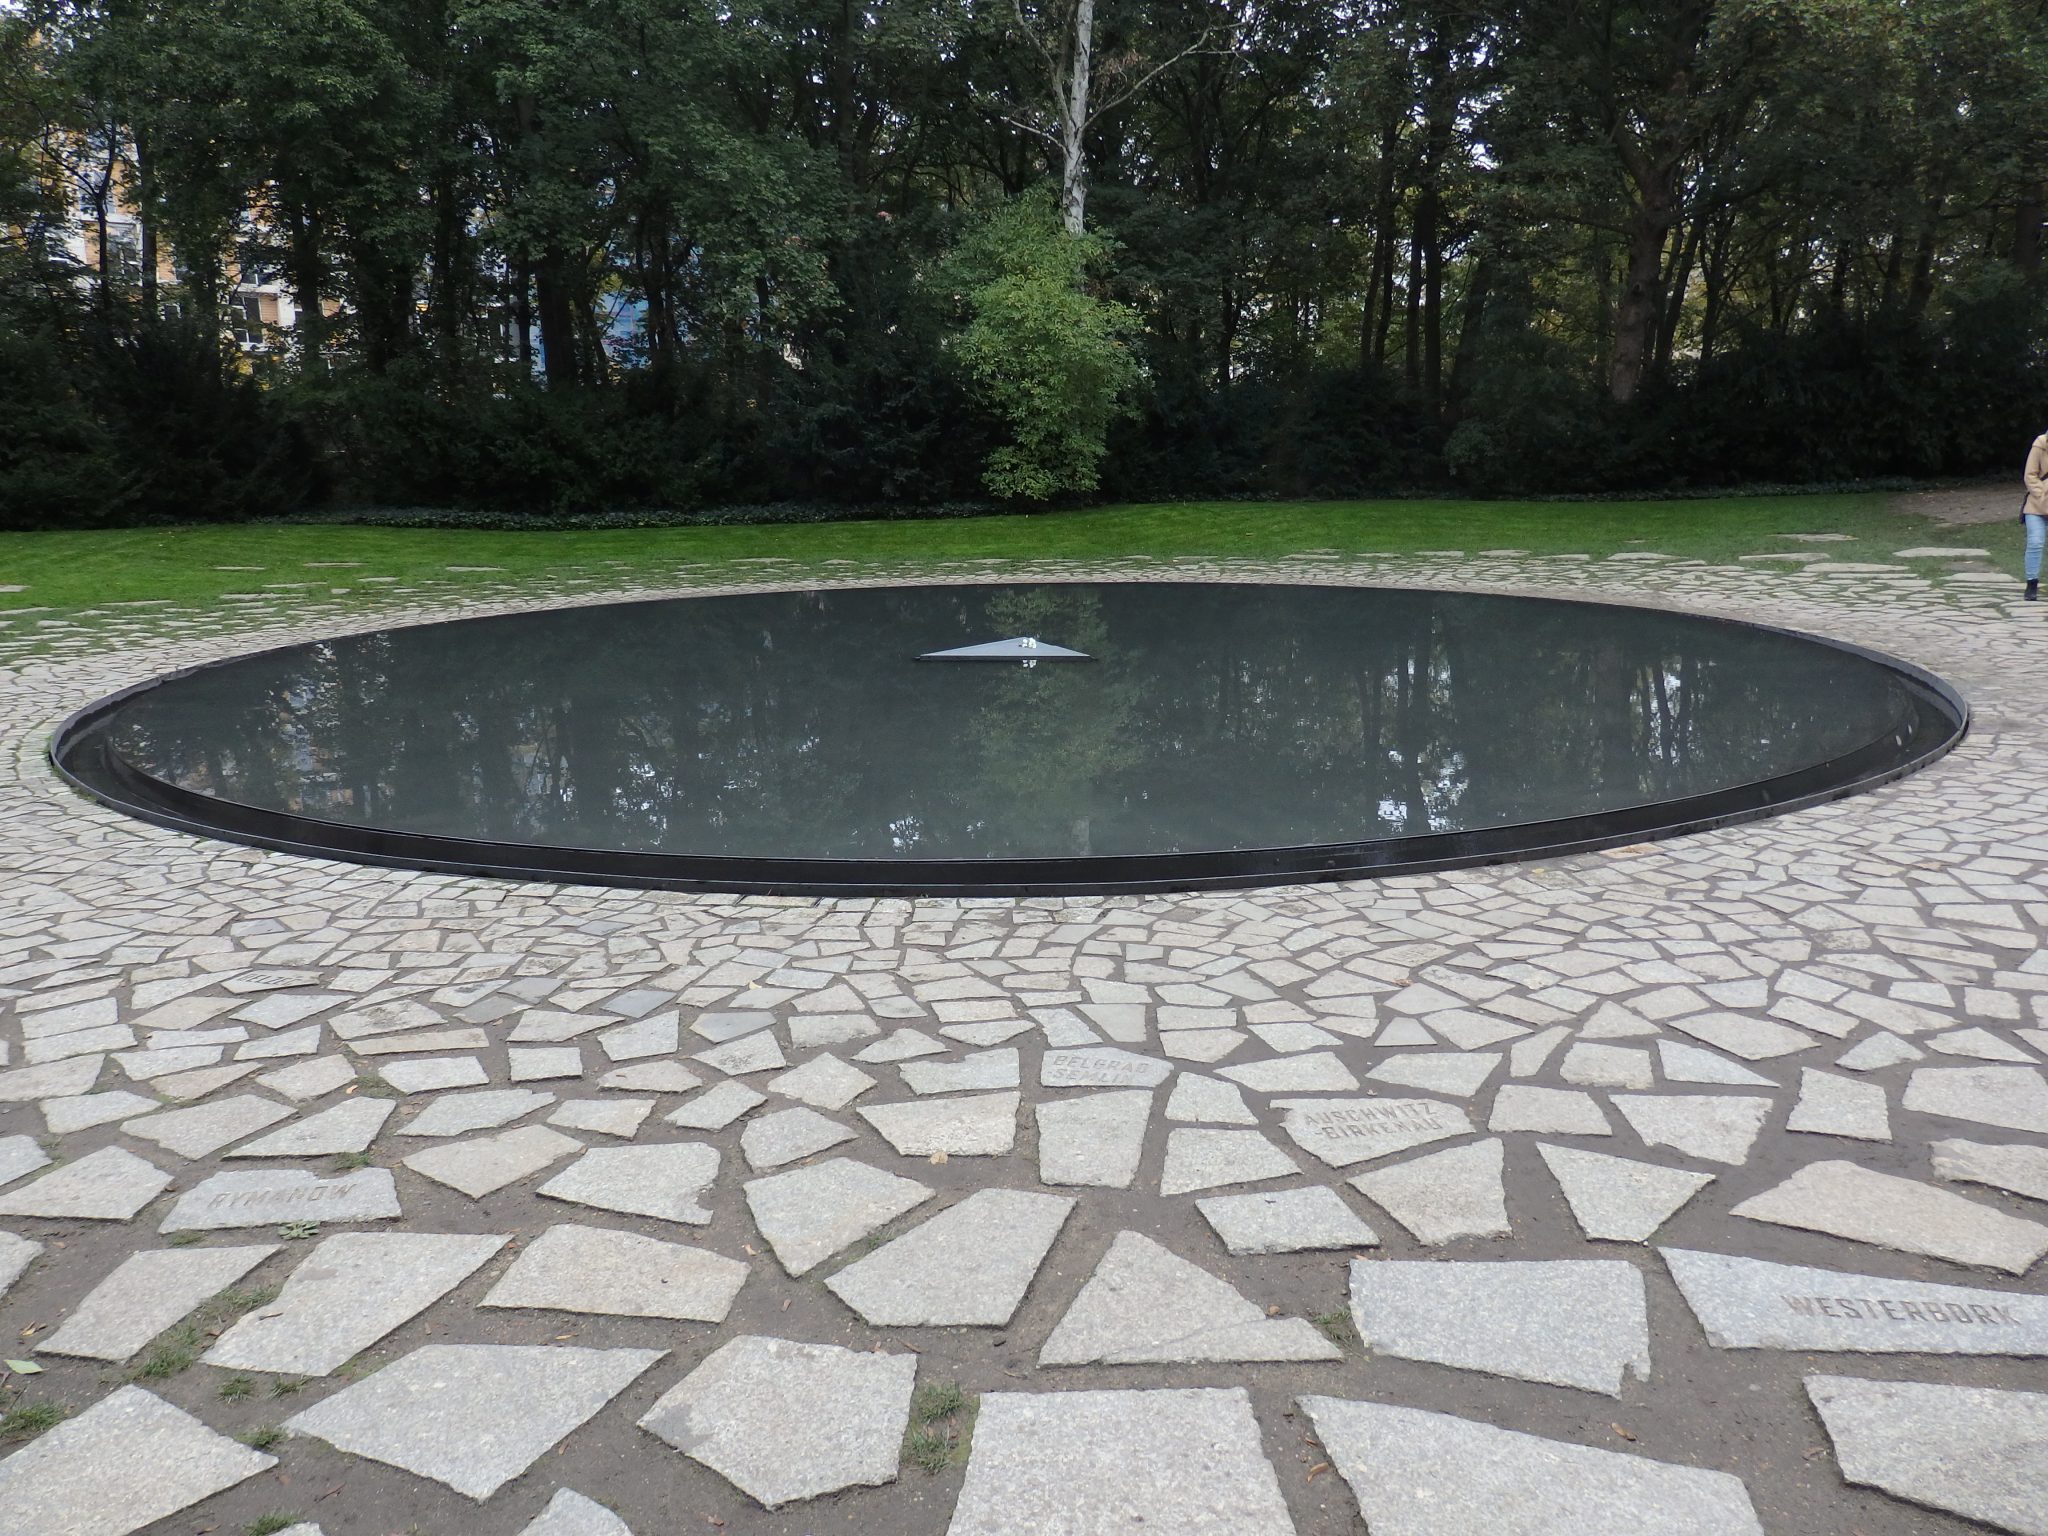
(2037,537)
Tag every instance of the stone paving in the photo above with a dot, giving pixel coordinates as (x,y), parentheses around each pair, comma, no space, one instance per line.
(1695,1188)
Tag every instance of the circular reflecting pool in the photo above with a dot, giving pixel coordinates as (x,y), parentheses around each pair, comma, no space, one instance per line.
(1094,736)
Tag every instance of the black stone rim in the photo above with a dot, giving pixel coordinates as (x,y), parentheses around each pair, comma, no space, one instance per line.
(82,754)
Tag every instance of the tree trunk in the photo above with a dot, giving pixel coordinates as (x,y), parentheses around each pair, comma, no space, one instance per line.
(308,262)
(1074,120)
(557,322)
(1470,328)
(2026,229)
(1640,309)
(146,229)
(1372,325)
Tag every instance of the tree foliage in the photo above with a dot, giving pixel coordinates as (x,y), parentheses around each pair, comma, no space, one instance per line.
(659,252)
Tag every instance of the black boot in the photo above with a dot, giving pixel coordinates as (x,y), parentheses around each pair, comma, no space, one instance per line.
(2033,591)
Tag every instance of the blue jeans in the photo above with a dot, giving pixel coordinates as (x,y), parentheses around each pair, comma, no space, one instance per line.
(2037,536)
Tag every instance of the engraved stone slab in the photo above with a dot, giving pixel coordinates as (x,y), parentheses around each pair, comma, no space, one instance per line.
(1719,1128)
(1186,1461)
(2015,1098)
(662,1181)
(981,1126)
(620,1274)
(1418,1473)
(107,1185)
(1847,1200)
(1286,1221)
(1443,1196)
(789,1135)
(1974,1451)
(126,1462)
(1750,1304)
(203,1131)
(809,1214)
(144,1295)
(1574,1323)
(487,1163)
(460,1113)
(441,1411)
(2017,1169)
(266,1197)
(1145,1305)
(1618,1199)
(349,1126)
(347,1293)
(1093,1140)
(1198,1159)
(783,1421)
(968,1266)
(1346,1131)
(1102,1067)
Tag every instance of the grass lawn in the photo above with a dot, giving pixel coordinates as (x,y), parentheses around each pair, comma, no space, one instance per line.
(72,571)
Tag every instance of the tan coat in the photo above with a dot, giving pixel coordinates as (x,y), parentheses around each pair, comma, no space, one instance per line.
(2037,477)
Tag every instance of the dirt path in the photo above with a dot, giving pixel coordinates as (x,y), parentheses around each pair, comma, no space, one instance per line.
(1980,501)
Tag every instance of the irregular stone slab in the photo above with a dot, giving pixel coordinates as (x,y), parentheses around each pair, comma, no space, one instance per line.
(1833,1105)
(1684,1063)
(1551,1111)
(1607,1066)
(1847,1200)
(267,1197)
(654,1077)
(1204,1159)
(716,1107)
(553,1026)
(749,1053)
(543,1063)
(658,1034)
(1095,1140)
(204,1131)
(721,1027)
(1346,1131)
(1750,1304)
(809,1214)
(1979,1042)
(1286,1221)
(823,1082)
(1186,1461)
(808,1031)
(1444,1196)
(461,1113)
(427,1040)
(1740,1035)
(63,1116)
(662,1181)
(2014,1098)
(386,1018)
(1574,1323)
(982,1126)
(349,1292)
(1467,1030)
(1147,1306)
(2017,1170)
(1973,1451)
(783,1421)
(305,1080)
(186,1086)
(126,1462)
(441,1412)
(570,1514)
(16,1254)
(144,1295)
(1719,1128)
(57,1079)
(1618,1199)
(20,1157)
(968,1266)
(982,1070)
(789,1135)
(349,1126)
(107,1185)
(487,1163)
(1881,1050)
(619,1274)
(900,1045)
(1417,1473)
(1207,1101)
(1526,1057)
(1203,1045)
(606,1117)
(1457,1073)
(1315,1072)
(432,1073)
(1102,1066)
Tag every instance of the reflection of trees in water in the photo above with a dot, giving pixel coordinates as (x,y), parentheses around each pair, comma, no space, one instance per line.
(799,724)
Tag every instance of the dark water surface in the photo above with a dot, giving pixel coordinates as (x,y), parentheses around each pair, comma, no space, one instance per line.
(1212,717)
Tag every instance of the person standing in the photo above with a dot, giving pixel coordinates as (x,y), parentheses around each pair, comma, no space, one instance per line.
(2034,513)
